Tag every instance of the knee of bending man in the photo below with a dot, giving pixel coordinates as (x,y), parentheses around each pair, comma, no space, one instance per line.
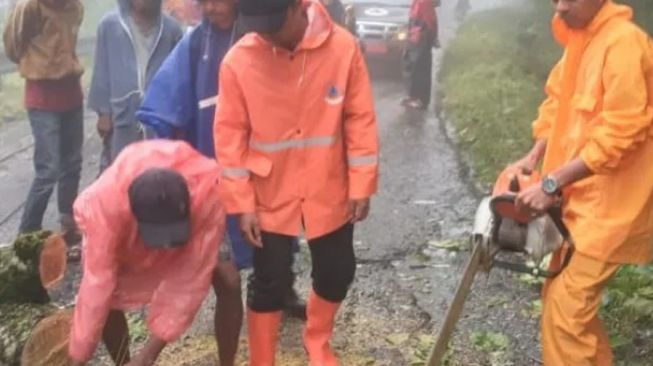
(226,280)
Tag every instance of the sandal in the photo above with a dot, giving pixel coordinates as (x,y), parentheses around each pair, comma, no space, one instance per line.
(405,101)
(73,240)
(74,254)
(415,103)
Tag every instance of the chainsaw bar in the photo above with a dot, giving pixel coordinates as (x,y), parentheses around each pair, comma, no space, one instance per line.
(456,308)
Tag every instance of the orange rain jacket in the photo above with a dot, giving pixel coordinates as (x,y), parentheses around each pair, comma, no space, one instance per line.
(296,131)
(600,108)
(120,272)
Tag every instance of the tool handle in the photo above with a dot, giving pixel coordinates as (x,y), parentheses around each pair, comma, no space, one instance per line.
(555,213)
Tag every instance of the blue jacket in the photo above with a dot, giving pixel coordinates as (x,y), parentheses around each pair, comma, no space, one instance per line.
(115,86)
(181,99)
(182,96)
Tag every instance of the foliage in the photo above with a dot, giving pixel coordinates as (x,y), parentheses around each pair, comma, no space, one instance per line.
(19,273)
(495,345)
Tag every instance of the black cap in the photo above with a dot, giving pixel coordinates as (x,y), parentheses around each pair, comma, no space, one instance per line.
(160,201)
(263,16)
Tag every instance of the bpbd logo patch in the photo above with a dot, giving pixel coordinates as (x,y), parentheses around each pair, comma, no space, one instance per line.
(334,96)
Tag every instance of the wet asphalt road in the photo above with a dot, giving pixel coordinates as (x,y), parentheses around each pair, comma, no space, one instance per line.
(403,282)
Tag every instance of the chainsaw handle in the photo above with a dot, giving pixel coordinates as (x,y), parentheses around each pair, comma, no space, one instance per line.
(555,213)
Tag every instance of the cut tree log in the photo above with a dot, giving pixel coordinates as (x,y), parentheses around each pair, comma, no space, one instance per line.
(31,328)
(16,324)
(32,261)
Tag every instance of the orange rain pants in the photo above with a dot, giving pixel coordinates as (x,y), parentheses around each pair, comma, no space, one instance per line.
(572,332)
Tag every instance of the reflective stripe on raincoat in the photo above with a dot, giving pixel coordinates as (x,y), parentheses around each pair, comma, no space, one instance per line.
(600,108)
(120,272)
(296,131)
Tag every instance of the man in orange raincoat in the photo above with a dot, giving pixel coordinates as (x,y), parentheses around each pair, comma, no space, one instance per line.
(151,225)
(296,135)
(595,135)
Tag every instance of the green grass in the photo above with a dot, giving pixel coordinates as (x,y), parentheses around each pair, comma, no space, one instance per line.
(493,76)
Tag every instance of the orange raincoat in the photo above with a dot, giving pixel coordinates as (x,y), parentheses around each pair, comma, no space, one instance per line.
(600,108)
(120,272)
(296,131)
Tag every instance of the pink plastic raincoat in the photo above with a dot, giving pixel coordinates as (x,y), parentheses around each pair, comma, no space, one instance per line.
(120,272)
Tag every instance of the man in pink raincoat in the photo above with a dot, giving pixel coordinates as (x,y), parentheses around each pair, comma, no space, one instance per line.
(151,227)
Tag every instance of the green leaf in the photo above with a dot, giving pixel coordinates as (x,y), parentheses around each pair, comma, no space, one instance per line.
(397,339)
(489,342)
(453,245)
(646,292)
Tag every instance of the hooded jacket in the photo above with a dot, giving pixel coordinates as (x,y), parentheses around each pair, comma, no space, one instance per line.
(600,109)
(296,132)
(41,38)
(120,272)
(116,88)
(181,99)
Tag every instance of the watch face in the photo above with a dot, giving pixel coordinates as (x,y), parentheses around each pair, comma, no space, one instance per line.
(549,186)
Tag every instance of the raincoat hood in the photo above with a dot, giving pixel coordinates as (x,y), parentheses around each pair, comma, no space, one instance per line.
(320,27)
(125,7)
(562,32)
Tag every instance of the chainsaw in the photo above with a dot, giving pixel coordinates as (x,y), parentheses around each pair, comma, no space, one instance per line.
(499,231)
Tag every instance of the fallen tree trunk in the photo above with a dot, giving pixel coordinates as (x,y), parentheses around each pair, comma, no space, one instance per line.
(31,328)
(16,324)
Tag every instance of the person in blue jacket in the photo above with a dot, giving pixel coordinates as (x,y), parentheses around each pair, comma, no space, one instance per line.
(180,103)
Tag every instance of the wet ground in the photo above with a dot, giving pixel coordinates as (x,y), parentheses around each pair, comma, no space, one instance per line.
(405,278)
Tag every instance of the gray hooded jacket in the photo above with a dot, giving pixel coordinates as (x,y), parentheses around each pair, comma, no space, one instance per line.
(116,88)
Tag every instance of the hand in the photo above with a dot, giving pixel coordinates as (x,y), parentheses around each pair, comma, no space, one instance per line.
(104,125)
(527,163)
(149,353)
(534,202)
(358,210)
(251,229)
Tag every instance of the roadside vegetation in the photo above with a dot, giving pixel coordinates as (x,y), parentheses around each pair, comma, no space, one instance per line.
(493,76)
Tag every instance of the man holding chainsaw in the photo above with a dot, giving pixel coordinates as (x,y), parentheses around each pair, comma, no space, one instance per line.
(595,136)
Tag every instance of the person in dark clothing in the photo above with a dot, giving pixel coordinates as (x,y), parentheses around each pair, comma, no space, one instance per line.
(418,59)
(132,43)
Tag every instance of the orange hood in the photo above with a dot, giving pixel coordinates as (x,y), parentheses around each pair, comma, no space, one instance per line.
(320,27)
(610,11)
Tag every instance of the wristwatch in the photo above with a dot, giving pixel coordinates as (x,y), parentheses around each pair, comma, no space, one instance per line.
(550,186)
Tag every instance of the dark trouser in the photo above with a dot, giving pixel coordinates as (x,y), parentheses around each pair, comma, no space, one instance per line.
(420,72)
(333,260)
(58,139)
